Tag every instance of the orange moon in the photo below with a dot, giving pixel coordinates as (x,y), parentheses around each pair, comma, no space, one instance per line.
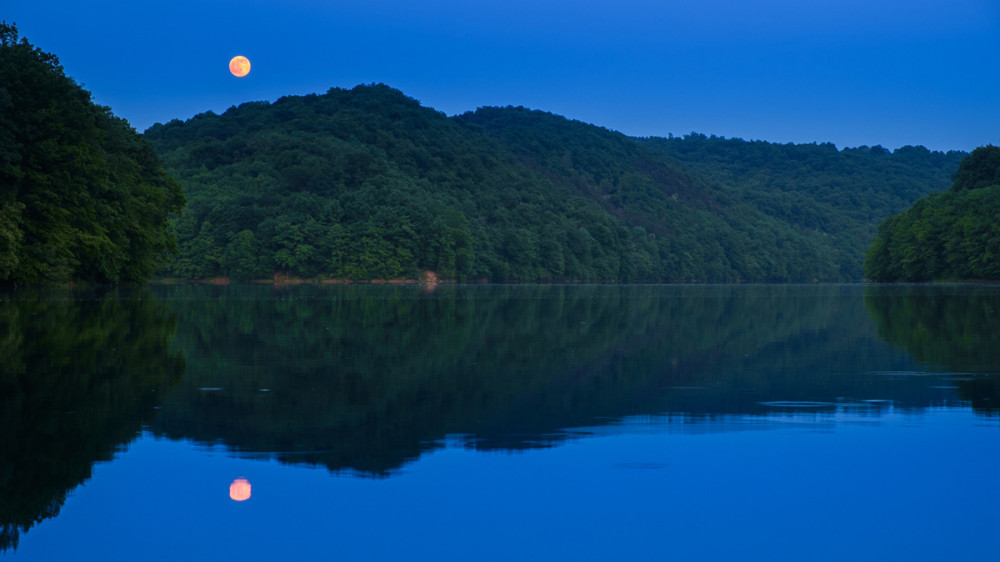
(239,66)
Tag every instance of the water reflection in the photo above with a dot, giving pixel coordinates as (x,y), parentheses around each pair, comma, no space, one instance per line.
(240,490)
(950,327)
(81,371)
(364,379)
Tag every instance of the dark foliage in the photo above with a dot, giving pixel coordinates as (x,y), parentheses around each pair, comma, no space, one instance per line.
(980,169)
(82,195)
(838,196)
(366,183)
(950,235)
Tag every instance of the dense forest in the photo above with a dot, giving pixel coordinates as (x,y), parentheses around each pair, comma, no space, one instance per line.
(947,236)
(842,193)
(367,183)
(83,196)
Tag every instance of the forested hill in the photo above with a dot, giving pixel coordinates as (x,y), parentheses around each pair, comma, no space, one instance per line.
(951,235)
(843,193)
(83,197)
(366,183)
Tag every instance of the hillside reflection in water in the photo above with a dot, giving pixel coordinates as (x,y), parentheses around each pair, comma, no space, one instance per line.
(365,380)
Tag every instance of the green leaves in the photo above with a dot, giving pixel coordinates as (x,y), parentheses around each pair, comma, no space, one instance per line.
(947,236)
(10,237)
(821,205)
(981,169)
(82,196)
(365,183)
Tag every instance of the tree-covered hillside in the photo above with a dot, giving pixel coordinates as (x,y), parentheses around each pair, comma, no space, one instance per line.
(946,236)
(843,194)
(82,195)
(701,232)
(366,183)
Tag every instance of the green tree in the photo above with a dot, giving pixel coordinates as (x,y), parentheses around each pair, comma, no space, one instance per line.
(241,260)
(951,235)
(980,169)
(82,196)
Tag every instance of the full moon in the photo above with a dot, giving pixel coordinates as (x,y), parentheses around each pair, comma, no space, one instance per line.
(239,66)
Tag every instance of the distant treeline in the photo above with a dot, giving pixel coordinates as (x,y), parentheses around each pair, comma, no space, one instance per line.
(366,183)
(844,194)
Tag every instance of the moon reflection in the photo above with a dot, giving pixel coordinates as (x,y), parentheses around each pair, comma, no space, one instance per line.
(239,490)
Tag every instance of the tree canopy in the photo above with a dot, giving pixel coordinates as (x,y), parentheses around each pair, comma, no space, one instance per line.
(83,197)
(367,183)
(946,236)
(841,195)
(980,169)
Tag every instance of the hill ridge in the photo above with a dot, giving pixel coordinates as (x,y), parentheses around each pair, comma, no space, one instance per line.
(368,183)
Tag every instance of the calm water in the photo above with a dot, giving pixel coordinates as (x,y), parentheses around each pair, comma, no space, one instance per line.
(500,423)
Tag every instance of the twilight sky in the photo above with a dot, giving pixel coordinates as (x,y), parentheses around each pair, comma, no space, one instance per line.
(851,72)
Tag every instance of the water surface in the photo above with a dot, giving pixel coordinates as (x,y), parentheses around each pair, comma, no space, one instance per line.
(557,422)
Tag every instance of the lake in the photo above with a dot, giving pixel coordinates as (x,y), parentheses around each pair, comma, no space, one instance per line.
(363,422)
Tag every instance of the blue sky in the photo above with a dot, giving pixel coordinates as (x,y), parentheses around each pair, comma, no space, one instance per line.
(851,72)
